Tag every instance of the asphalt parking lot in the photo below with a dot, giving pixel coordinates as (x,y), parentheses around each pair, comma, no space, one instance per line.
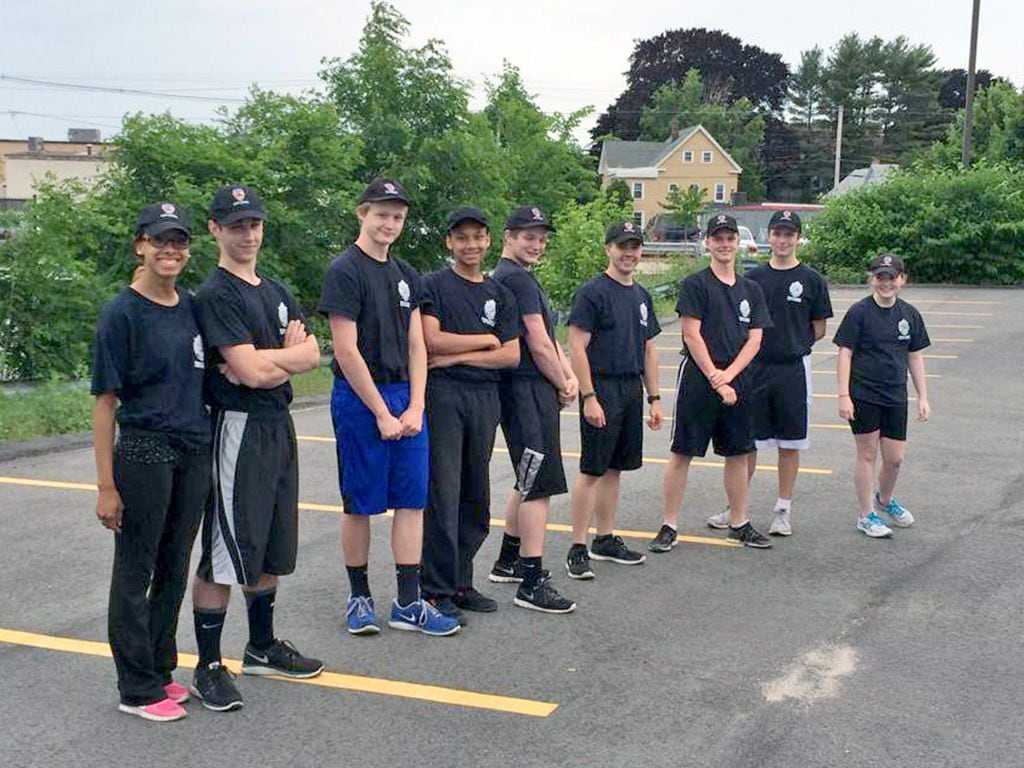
(828,650)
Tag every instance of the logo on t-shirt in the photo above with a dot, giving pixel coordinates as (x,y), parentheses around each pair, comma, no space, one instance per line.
(490,310)
(744,311)
(198,355)
(796,291)
(643,314)
(403,293)
(904,328)
(282,316)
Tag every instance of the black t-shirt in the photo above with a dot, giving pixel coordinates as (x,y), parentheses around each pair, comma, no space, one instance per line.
(152,358)
(620,319)
(380,297)
(881,339)
(726,312)
(232,311)
(462,306)
(531,300)
(795,297)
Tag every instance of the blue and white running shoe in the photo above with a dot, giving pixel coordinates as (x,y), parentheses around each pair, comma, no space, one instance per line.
(360,616)
(421,616)
(899,514)
(873,526)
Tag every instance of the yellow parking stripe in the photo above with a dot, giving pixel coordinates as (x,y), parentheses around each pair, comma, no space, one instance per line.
(669,418)
(381,686)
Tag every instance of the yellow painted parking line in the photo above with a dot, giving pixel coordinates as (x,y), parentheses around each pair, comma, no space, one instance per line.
(309,506)
(669,418)
(432,693)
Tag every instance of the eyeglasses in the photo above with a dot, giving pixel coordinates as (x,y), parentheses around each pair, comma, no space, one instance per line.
(178,242)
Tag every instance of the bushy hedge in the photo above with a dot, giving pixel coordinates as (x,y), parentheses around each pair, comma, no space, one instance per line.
(949,225)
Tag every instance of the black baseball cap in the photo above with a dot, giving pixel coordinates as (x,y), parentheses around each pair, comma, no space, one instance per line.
(528,217)
(380,190)
(467,213)
(785,220)
(235,202)
(887,264)
(720,222)
(162,217)
(624,232)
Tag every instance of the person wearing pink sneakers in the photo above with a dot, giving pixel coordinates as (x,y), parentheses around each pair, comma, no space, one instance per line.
(147,377)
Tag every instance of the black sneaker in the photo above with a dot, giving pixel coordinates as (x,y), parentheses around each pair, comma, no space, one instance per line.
(748,536)
(447,606)
(214,686)
(614,549)
(667,538)
(543,597)
(506,573)
(281,658)
(471,600)
(577,562)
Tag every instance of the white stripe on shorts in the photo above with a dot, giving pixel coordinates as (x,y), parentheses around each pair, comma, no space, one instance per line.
(230,429)
(675,404)
(796,445)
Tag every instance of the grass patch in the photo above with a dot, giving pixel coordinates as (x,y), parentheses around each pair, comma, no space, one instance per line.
(50,409)
(316,382)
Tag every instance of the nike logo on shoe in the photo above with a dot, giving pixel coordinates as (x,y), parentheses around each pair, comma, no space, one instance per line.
(260,659)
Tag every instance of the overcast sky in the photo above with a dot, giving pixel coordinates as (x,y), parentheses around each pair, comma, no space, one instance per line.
(571,54)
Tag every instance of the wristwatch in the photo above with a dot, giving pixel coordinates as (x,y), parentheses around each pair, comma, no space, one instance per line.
(652,398)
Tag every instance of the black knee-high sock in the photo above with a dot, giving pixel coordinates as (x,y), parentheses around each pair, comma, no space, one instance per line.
(408,583)
(261,618)
(209,625)
(358,581)
(509,549)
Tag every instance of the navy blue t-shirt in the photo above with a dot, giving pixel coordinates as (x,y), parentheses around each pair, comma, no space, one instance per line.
(795,297)
(232,311)
(463,306)
(531,300)
(881,339)
(620,319)
(152,357)
(380,297)
(727,313)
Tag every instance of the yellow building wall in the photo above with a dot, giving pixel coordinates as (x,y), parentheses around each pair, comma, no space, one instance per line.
(24,174)
(675,171)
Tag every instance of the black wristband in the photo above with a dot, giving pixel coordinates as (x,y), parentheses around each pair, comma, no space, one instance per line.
(653,398)
(583,398)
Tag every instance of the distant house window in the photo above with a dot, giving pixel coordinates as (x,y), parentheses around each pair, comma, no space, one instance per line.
(705,156)
(719,193)
(638,190)
(638,218)
(673,188)
(687,155)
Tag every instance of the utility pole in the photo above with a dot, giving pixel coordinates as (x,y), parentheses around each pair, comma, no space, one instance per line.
(965,157)
(839,144)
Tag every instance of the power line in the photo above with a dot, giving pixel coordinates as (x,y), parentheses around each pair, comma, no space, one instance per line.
(121,91)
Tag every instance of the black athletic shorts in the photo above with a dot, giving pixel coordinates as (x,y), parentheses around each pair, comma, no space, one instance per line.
(252,517)
(620,443)
(781,403)
(701,417)
(890,420)
(530,423)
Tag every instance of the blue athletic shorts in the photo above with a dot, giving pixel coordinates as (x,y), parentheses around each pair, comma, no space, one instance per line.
(375,475)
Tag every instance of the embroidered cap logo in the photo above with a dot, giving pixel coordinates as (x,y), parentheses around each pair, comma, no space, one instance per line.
(537,215)
(168,211)
(390,188)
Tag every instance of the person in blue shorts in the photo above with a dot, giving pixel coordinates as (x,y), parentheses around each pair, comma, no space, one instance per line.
(880,339)
(380,371)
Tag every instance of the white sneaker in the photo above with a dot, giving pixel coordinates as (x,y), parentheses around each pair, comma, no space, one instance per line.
(719,521)
(780,524)
(899,514)
(873,526)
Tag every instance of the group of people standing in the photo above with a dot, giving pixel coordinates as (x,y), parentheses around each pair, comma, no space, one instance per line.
(425,370)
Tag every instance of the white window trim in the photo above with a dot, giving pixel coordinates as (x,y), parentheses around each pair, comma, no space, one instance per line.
(687,152)
(709,154)
(719,192)
(641,215)
(635,185)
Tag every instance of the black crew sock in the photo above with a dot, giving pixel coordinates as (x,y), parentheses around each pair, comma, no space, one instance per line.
(261,618)
(408,583)
(209,625)
(577,545)
(358,580)
(509,549)
(532,571)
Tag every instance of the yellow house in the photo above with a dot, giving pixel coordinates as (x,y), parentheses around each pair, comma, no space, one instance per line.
(651,169)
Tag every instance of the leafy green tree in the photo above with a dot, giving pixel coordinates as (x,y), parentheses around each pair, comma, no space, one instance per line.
(683,205)
(998,134)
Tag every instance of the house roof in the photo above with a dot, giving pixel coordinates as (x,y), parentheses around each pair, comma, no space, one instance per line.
(640,157)
(873,174)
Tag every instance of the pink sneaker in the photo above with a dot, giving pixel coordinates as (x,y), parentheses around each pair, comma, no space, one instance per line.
(160,712)
(176,692)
